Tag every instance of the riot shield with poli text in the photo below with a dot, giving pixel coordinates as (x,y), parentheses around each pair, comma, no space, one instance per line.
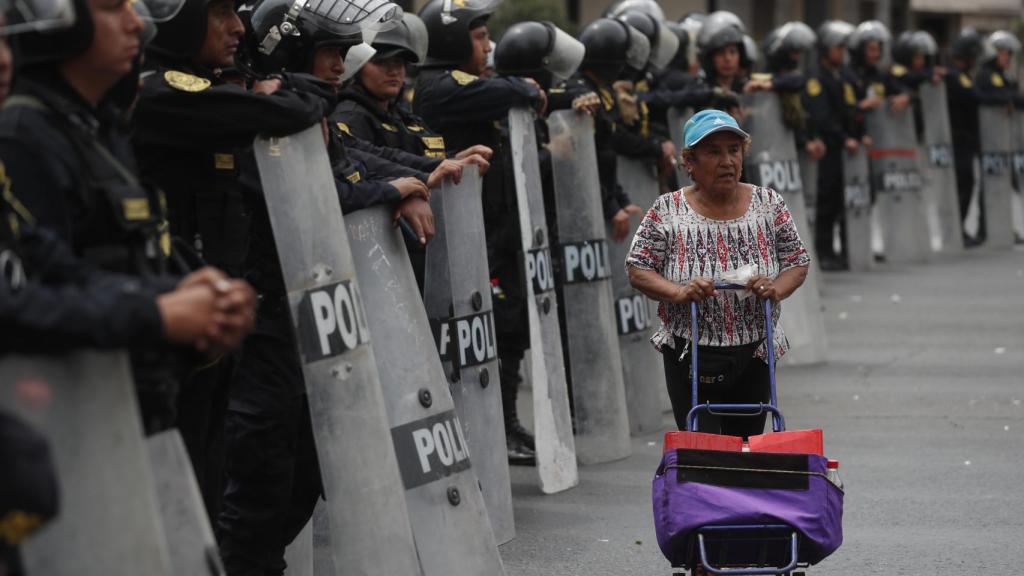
(772,162)
(457,295)
(939,173)
(896,180)
(857,210)
(109,521)
(449,520)
(996,185)
(367,511)
(635,314)
(190,541)
(584,276)
(676,120)
(552,423)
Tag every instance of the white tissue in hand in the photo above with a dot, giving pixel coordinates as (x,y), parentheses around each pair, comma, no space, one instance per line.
(740,275)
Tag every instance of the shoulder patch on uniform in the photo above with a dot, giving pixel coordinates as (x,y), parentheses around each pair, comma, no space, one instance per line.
(966,81)
(344,128)
(879,89)
(463,78)
(997,80)
(761,76)
(185,82)
(354,177)
(224,161)
(414,128)
(389,127)
(898,70)
(814,87)
(848,94)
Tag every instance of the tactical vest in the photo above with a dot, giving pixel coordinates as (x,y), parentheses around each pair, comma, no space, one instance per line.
(124,228)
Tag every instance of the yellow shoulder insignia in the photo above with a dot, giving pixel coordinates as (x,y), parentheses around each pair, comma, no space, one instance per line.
(354,177)
(185,82)
(389,127)
(607,99)
(414,128)
(898,70)
(848,94)
(135,209)
(761,76)
(556,91)
(463,78)
(879,89)
(966,81)
(997,80)
(814,87)
(344,128)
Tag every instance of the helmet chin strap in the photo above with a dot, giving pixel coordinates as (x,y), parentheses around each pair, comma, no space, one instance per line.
(286,28)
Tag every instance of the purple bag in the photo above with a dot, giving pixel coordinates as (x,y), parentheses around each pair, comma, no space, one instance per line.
(697,488)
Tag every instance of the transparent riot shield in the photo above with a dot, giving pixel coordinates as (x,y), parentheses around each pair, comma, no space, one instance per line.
(809,177)
(190,541)
(584,274)
(896,180)
(635,314)
(552,423)
(360,473)
(109,521)
(772,162)
(458,300)
(939,172)
(996,186)
(676,119)
(449,520)
(857,208)
(299,554)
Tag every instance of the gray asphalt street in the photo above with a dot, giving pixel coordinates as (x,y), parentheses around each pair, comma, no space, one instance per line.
(921,401)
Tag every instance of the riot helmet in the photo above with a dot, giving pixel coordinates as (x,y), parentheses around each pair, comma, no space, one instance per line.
(35,15)
(610,46)
(834,33)
(1001,40)
(538,50)
(681,61)
(785,46)
(407,39)
(55,42)
(664,44)
(692,23)
(649,7)
(909,45)
(718,31)
(968,46)
(865,34)
(287,33)
(750,56)
(448,25)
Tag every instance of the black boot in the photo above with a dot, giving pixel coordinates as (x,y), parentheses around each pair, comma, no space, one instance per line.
(521,445)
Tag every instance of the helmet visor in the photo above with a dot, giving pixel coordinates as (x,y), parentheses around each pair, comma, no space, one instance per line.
(649,7)
(29,15)
(450,8)
(419,40)
(566,56)
(665,51)
(639,49)
(345,17)
(159,10)
(356,58)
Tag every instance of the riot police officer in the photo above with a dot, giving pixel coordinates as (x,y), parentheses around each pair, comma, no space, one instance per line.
(725,60)
(994,83)
(830,99)
(963,103)
(453,98)
(874,85)
(785,49)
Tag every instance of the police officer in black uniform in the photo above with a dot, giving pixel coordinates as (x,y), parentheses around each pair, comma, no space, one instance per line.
(467,110)
(68,162)
(830,99)
(962,99)
(724,60)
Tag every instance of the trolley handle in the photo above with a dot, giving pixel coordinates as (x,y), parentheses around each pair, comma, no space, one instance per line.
(767,570)
(778,424)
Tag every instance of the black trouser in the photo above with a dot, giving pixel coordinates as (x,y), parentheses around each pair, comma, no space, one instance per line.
(750,387)
(271,469)
(963,158)
(830,201)
(202,405)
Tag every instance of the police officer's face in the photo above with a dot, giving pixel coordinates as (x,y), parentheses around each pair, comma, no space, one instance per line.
(835,56)
(727,61)
(223,33)
(481,41)
(872,53)
(717,162)
(115,42)
(1003,58)
(329,64)
(384,78)
(918,62)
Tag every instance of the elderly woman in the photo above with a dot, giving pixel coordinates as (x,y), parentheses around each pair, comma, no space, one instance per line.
(693,238)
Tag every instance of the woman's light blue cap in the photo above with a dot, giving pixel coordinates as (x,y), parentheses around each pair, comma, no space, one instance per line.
(708,122)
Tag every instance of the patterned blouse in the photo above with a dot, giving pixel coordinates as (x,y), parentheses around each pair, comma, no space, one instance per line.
(680,244)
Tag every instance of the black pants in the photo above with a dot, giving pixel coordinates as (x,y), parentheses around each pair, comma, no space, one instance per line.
(964,158)
(271,469)
(750,387)
(830,201)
